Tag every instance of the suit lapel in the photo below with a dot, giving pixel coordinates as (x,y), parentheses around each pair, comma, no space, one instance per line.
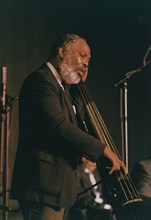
(66,97)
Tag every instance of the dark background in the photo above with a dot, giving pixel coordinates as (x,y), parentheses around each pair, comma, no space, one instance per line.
(119,34)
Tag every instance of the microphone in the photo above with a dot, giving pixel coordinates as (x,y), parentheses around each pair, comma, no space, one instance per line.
(131,73)
(146,55)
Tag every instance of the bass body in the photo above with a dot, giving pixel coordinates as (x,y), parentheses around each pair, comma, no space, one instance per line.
(119,188)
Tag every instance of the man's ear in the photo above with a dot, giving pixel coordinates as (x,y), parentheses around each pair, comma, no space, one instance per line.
(60,52)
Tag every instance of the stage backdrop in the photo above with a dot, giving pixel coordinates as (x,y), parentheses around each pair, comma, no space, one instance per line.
(119,34)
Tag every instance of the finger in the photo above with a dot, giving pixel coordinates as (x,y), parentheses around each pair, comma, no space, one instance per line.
(123,167)
(111,170)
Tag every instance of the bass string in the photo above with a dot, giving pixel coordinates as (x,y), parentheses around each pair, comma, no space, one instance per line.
(102,137)
(110,142)
(137,214)
(105,137)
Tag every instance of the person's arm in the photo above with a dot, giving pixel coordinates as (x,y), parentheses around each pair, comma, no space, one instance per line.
(44,94)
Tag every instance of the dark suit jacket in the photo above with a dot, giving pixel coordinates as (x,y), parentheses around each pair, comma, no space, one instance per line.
(49,143)
(141,176)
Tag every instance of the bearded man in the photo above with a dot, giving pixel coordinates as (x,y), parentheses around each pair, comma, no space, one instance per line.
(51,137)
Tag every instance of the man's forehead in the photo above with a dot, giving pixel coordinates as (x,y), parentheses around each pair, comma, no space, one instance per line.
(79,41)
(81,45)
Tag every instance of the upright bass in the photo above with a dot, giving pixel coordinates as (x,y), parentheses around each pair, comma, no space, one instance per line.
(120,190)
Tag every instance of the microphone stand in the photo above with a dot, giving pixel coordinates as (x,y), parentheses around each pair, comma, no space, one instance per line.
(5,118)
(123,83)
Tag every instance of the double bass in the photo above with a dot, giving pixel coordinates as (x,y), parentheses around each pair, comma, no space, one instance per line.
(119,188)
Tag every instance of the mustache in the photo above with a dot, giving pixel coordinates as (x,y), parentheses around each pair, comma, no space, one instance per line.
(82,72)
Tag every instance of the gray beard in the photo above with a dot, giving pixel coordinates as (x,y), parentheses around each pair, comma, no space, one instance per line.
(68,73)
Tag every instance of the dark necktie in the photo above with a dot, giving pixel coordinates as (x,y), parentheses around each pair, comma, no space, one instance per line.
(69,102)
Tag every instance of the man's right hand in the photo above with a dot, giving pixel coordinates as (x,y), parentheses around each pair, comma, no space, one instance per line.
(116,162)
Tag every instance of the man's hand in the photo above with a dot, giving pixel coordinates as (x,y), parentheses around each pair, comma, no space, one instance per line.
(117,164)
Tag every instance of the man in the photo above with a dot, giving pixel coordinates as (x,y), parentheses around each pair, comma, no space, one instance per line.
(141,176)
(50,140)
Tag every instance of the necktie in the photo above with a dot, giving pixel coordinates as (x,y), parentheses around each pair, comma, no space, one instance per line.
(69,102)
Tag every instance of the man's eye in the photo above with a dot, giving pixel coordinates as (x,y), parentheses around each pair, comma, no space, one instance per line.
(82,54)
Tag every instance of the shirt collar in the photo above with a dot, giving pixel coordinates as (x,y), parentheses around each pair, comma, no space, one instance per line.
(56,74)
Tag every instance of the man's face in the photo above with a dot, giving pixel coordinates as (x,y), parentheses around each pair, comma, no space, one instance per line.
(74,61)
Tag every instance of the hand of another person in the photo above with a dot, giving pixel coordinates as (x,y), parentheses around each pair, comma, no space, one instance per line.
(117,164)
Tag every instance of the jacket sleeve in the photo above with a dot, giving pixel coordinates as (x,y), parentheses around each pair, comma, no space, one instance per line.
(43,94)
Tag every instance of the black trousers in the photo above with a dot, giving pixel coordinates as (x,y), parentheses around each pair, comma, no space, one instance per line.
(35,211)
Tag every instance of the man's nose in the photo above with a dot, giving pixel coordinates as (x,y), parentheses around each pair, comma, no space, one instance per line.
(86,63)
